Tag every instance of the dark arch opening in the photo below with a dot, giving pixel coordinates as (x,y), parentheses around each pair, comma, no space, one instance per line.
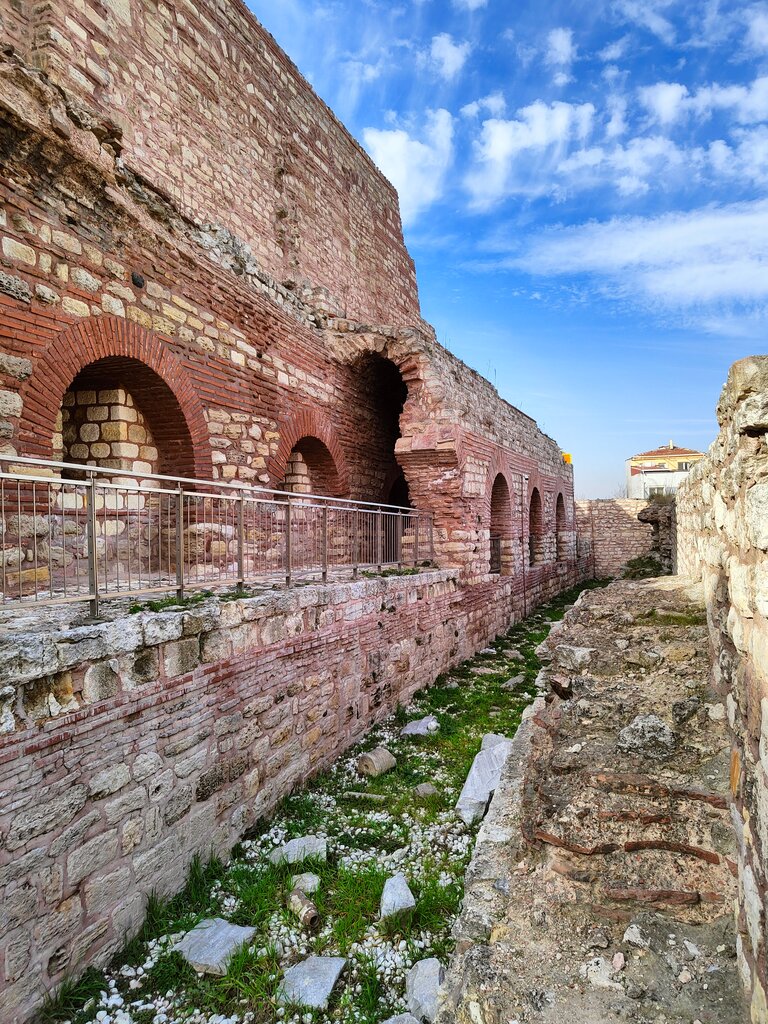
(381,394)
(118,413)
(535,530)
(399,493)
(311,470)
(501,526)
(561,530)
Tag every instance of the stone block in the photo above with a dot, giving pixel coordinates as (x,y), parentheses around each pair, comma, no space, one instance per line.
(91,856)
(311,982)
(105,891)
(127,803)
(44,817)
(181,657)
(109,781)
(146,765)
(101,681)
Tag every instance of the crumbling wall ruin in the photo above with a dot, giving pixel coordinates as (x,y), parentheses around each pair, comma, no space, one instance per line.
(612,534)
(722,539)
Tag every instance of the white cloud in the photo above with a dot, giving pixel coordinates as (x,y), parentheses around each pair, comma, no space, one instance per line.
(665,101)
(519,156)
(647,14)
(617,124)
(706,259)
(470,5)
(757,28)
(749,103)
(416,167)
(614,51)
(447,57)
(561,49)
(494,104)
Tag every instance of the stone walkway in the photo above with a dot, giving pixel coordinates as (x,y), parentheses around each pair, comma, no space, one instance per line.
(603,880)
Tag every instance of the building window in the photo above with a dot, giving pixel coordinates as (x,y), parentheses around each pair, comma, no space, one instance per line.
(683,466)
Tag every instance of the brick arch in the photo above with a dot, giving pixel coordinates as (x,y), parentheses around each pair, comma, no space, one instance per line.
(112,339)
(308,423)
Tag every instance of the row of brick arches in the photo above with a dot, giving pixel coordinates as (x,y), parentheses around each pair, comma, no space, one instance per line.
(546,543)
(132,409)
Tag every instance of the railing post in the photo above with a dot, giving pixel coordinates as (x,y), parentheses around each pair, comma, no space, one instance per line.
(324,543)
(288,541)
(93,572)
(180,543)
(416,539)
(355,541)
(241,541)
(379,539)
(400,539)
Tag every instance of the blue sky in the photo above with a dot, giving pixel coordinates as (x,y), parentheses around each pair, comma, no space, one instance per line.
(583,189)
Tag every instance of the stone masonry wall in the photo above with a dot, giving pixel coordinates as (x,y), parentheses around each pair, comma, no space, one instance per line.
(204,108)
(134,743)
(617,536)
(722,539)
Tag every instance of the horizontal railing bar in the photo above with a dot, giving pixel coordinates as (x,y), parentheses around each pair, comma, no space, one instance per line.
(235,485)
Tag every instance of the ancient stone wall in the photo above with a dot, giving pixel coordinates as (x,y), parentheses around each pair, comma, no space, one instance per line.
(614,531)
(140,741)
(722,539)
(204,108)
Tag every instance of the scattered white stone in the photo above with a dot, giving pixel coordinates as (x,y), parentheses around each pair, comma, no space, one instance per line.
(397,898)
(692,948)
(311,982)
(422,985)
(298,850)
(421,727)
(684,977)
(483,778)
(306,883)
(618,962)
(635,937)
(210,944)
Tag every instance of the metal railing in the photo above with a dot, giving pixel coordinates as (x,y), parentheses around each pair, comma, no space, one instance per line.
(83,533)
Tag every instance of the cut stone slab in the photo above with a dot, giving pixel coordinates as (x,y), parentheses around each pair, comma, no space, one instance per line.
(397,898)
(422,984)
(402,1018)
(422,727)
(306,883)
(425,790)
(210,944)
(297,850)
(483,778)
(311,982)
(514,682)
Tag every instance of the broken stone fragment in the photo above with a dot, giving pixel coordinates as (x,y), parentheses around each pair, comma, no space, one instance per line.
(599,972)
(649,736)
(573,659)
(402,1018)
(422,986)
(425,790)
(422,727)
(311,982)
(298,850)
(308,883)
(397,899)
(210,945)
(635,937)
(376,762)
(483,778)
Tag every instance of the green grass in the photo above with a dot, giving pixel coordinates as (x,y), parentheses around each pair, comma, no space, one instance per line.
(70,997)
(695,617)
(349,896)
(164,603)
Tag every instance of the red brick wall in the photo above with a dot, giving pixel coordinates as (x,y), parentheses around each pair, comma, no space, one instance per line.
(617,535)
(177,731)
(210,112)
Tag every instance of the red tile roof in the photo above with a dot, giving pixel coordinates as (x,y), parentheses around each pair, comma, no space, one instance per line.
(666,453)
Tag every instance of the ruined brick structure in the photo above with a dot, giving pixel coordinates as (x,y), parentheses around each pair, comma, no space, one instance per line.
(722,539)
(202,274)
(611,534)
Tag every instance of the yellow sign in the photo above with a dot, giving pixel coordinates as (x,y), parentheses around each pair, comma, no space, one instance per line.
(567,458)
